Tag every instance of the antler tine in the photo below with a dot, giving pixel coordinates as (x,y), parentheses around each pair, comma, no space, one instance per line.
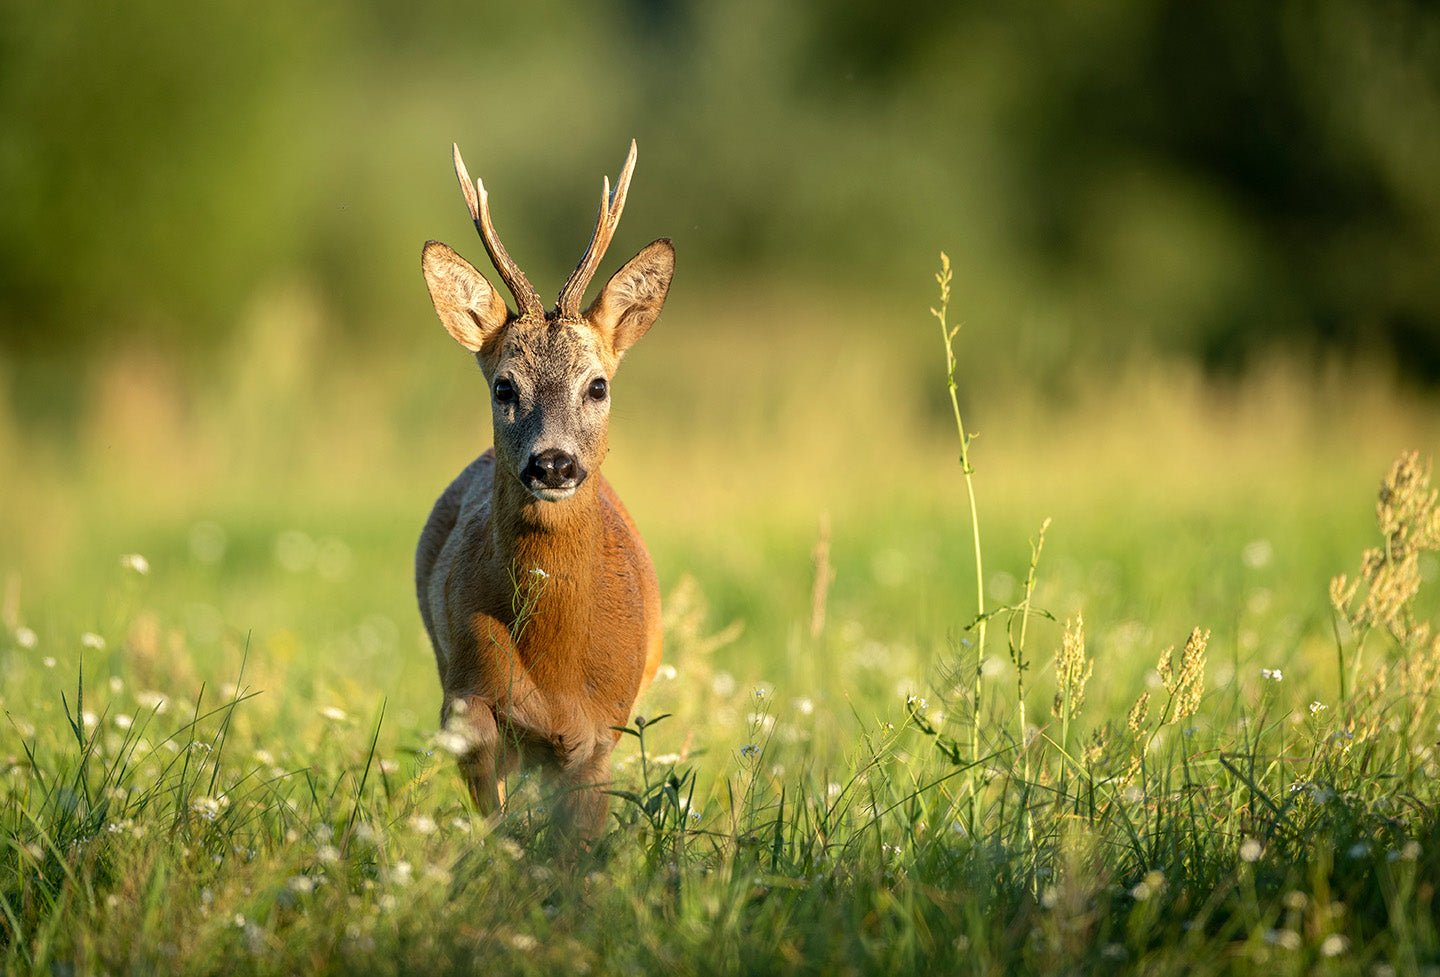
(611,206)
(479,203)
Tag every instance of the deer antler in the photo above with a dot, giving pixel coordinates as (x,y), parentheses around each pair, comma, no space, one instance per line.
(479,203)
(611,204)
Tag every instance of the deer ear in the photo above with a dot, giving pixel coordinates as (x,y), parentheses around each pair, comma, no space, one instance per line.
(468,306)
(631,300)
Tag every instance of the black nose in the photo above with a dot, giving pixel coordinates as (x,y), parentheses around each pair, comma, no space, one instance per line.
(554,468)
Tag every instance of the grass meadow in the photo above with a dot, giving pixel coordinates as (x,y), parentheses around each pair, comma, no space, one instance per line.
(1180,748)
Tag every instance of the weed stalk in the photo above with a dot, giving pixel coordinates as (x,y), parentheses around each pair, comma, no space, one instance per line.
(947,333)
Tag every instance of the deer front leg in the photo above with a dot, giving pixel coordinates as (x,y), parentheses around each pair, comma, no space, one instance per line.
(492,704)
(473,719)
(583,804)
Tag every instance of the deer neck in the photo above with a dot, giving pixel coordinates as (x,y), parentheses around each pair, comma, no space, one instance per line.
(552,549)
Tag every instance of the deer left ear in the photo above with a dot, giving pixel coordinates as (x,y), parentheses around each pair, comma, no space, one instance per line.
(631,300)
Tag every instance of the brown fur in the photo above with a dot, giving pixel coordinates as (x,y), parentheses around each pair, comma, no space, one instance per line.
(544,615)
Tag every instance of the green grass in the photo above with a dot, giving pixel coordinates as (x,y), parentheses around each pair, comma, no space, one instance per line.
(227,764)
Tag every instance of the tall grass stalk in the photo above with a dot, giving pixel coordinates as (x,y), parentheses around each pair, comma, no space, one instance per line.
(1018,656)
(947,333)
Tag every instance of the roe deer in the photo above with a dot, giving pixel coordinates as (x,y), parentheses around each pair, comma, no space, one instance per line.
(534,584)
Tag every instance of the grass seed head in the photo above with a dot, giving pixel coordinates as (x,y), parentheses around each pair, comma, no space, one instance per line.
(1072,670)
(1139,714)
(1409,520)
(1185,680)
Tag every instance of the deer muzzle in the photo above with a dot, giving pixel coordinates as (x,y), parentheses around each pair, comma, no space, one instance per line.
(552,475)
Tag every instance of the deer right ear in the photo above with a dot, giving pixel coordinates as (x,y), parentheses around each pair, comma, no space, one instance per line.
(468,306)
(631,300)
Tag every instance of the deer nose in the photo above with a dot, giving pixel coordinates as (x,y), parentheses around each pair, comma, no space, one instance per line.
(554,468)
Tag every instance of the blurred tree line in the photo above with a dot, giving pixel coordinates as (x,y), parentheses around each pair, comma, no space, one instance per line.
(1203,179)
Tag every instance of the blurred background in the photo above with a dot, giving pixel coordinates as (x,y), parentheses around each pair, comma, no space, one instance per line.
(1195,249)
(1208,180)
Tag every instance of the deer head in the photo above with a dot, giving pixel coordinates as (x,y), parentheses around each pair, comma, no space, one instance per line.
(549,372)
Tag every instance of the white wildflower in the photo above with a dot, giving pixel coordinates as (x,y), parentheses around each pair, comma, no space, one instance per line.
(123,721)
(1251,850)
(209,808)
(302,884)
(135,563)
(327,854)
(1257,554)
(48,662)
(389,767)
(1272,674)
(423,824)
(453,741)
(1317,707)
(26,638)
(1334,945)
(334,713)
(666,672)
(523,942)
(157,701)
(92,641)
(1285,939)
(295,551)
(762,721)
(804,705)
(333,559)
(1152,884)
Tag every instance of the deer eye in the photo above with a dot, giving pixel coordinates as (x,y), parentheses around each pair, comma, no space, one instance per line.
(504,391)
(598,389)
